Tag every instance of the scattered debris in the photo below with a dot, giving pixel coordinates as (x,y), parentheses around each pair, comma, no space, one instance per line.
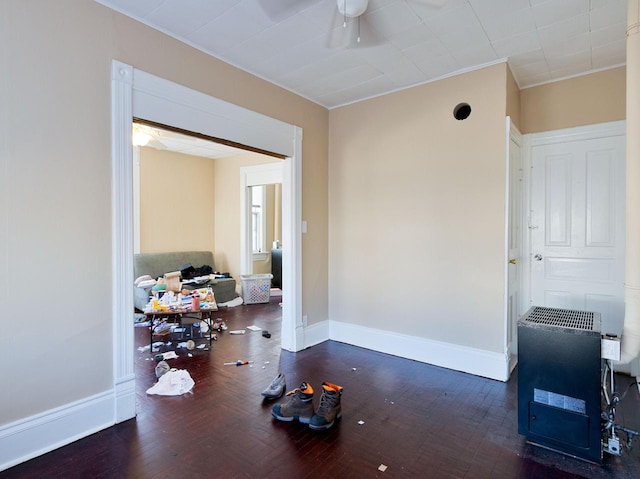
(201,346)
(266,334)
(167,355)
(233,303)
(254,328)
(173,383)
(162,368)
(354,369)
(191,345)
(361,422)
(239,362)
(155,346)
(237,331)
(190,355)
(382,468)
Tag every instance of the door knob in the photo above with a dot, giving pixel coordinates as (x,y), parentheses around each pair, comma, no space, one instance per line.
(538,257)
(512,261)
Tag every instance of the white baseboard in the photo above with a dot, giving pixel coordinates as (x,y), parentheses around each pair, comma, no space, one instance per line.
(125,398)
(39,434)
(452,356)
(316,334)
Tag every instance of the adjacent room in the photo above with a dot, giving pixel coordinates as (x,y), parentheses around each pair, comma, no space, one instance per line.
(439,188)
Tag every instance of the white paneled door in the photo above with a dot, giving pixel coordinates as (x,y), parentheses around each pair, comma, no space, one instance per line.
(577,227)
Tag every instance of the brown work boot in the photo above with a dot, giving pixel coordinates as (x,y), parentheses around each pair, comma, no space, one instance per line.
(298,405)
(329,409)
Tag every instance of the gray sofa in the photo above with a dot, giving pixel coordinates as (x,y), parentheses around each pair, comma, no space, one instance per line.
(157,264)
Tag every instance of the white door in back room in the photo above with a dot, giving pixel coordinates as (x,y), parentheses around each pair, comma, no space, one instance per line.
(577,226)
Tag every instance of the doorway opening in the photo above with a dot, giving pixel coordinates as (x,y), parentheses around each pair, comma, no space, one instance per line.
(138,94)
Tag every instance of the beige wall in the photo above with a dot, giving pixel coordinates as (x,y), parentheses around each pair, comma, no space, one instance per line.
(55,179)
(179,211)
(417,205)
(584,100)
(513,100)
(177,208)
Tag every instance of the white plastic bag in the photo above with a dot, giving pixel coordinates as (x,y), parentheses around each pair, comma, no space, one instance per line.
(173,383)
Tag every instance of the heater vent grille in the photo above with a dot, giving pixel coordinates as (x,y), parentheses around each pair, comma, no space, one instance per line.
(565,318)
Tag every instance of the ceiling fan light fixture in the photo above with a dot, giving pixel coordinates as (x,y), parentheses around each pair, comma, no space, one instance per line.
(352,8)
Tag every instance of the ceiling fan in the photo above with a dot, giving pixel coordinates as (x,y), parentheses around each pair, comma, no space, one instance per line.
(356,31)
(349,15)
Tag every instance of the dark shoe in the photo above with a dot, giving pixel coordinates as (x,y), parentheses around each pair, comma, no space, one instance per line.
(298,405)
(329,409)
(276,388)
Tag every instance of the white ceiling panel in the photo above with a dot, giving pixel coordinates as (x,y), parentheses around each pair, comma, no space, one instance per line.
(341,80)
(392,20)
(609,54)
(301,45)
(508,24)
(521,43)
(173,16)
(569,46)
(552,11)
(608,35)
(497,8)
(528,58)
(558,32)
(557,63)
(478,52)
(612,12)
(413,36)
(360,91)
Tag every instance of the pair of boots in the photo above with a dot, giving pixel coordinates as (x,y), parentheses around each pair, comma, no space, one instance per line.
(299,405)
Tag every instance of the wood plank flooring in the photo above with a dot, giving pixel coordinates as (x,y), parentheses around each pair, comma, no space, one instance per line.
(419,420)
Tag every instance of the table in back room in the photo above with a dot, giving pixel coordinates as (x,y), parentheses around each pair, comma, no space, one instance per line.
(176,316)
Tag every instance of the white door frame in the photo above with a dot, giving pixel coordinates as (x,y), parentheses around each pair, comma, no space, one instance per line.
(512,134)
(599,130)
(140,94)
(263,174)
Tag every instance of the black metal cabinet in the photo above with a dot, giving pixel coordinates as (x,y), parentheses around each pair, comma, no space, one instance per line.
(559,381)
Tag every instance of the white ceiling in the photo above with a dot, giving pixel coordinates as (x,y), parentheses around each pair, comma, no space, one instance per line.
(292,43)
(162,139)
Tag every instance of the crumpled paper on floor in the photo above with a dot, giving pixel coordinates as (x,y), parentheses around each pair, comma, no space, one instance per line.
(173,383)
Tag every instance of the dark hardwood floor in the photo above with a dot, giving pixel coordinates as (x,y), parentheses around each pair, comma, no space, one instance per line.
(419,420)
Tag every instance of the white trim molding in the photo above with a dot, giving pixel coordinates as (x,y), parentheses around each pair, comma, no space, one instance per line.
(41,433)
(474,361)
(262,174)
(143,95)
(122,219)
